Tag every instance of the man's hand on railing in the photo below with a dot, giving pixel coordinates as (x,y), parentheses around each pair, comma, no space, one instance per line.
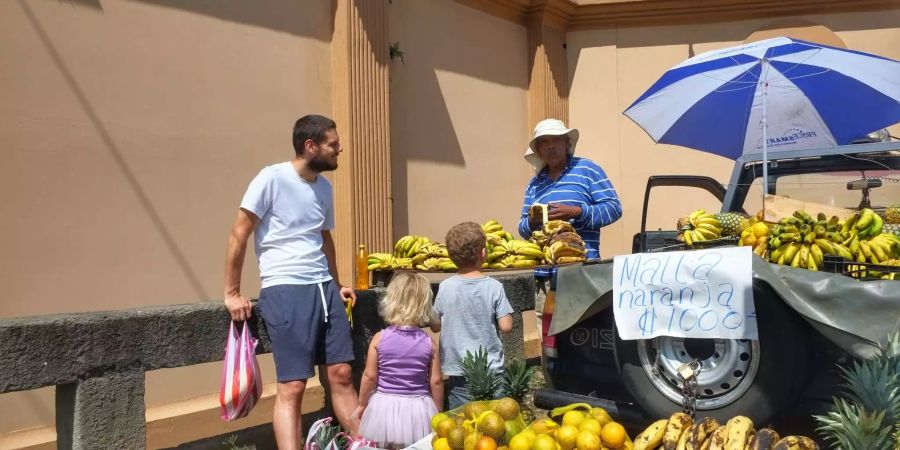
(238,306)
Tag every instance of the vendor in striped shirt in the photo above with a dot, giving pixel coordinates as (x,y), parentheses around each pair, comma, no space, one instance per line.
(575,189)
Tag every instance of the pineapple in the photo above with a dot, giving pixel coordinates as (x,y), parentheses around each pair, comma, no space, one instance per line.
(516,380)
(731,223)
(892,214)
(891,228)
(849,427)
(869,416)
(481,381)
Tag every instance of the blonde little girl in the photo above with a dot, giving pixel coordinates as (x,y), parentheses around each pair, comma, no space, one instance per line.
(401,387)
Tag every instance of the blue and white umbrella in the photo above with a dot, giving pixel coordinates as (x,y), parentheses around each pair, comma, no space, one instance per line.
(771,95)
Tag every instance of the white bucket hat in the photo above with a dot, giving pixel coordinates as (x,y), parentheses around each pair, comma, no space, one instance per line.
(549,127)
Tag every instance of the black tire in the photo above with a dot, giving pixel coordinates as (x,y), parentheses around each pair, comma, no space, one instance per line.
(779,380)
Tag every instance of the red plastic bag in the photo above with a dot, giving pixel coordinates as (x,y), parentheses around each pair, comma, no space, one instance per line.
(241,381)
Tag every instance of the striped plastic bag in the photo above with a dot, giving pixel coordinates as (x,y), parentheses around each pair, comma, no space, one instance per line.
(241,381)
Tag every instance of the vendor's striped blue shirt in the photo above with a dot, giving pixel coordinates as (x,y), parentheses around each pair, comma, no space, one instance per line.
(583,183)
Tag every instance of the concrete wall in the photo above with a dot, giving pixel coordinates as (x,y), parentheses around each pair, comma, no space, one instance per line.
(458,124)
(129,132)
(610,68)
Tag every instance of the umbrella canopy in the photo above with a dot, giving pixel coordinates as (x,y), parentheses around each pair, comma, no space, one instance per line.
(771,95)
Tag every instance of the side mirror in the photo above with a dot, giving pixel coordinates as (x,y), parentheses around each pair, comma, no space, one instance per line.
(866,183)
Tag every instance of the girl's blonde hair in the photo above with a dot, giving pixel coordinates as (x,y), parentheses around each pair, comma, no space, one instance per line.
(407,301)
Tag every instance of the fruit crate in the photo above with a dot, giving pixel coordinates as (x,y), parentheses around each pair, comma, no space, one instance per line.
(672,245)
(858,270)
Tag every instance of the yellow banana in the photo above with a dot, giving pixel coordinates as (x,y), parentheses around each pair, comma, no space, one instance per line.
(699,432)
(707,234)
(866,250)
(804,256)
(865,219)
(652,436)
(677,425)
(718,439)
(524,263)
(696,214)
(739,428)
(536,253)
(817,254)
(764,439)
(697,236)
(710,227)
(825,246)
(795,443)
(878,249)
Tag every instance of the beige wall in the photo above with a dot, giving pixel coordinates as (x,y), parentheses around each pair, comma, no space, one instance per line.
(129,132)
(610,68)
(457,117)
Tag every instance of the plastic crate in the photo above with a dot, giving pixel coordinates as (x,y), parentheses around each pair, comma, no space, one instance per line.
(858,270)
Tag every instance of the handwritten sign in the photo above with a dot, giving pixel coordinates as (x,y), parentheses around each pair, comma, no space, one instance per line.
(692,294)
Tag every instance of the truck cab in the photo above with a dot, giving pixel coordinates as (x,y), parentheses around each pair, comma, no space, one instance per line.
(791,365)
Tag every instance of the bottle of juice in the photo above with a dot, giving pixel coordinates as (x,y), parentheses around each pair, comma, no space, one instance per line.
(362,268)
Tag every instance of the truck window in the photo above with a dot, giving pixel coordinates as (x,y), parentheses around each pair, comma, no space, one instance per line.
(830,189)
(667,203)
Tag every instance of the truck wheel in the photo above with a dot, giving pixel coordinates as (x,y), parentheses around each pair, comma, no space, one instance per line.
(737,377)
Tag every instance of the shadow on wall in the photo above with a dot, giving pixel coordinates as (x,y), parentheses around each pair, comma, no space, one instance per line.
(285,16)
(128,172)
(437,37)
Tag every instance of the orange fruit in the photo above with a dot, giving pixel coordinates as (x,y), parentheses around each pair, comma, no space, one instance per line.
(436,419)
(590,424)
(613,435)
(573,418)
(544,442)
(521,441)
(444,427)
(601,415)
(486,443)
(457,438)
(587,441)
(441,444)
(565,436)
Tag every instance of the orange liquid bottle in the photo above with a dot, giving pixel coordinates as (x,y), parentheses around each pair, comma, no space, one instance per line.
(362,268)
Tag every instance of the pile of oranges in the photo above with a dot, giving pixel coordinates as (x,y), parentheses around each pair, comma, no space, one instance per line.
(589,429)
(492,426)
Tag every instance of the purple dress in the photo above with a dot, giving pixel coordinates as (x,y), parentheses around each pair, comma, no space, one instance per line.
(400,410)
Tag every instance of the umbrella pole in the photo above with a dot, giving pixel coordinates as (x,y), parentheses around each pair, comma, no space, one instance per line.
(765,134)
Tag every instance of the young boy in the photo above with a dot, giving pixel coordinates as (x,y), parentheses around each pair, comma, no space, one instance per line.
(469,309)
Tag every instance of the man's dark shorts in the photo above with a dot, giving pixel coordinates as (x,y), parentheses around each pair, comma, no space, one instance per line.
(301,337)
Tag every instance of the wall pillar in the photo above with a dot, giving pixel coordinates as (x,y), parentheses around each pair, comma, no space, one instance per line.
(362,184)
(102,412)
(548,81)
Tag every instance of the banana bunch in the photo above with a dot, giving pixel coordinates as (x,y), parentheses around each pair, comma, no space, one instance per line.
(564,248)
(559,243)
(436,263)
(863,224)
(803,241)
(514,253)
(679,432)
(381,261)
(493,228)
(699,226)
(408,246)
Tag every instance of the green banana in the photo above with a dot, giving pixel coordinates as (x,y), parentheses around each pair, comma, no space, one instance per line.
(865,219)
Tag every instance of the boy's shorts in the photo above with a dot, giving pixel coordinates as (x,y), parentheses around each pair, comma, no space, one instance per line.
(296,324)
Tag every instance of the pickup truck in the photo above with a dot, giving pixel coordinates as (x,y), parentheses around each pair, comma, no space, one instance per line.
(807,321)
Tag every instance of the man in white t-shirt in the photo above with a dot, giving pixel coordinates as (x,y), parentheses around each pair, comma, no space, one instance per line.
(289,209)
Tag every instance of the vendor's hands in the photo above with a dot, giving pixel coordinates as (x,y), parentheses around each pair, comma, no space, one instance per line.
(561,211)
(349,295)
(238,306)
